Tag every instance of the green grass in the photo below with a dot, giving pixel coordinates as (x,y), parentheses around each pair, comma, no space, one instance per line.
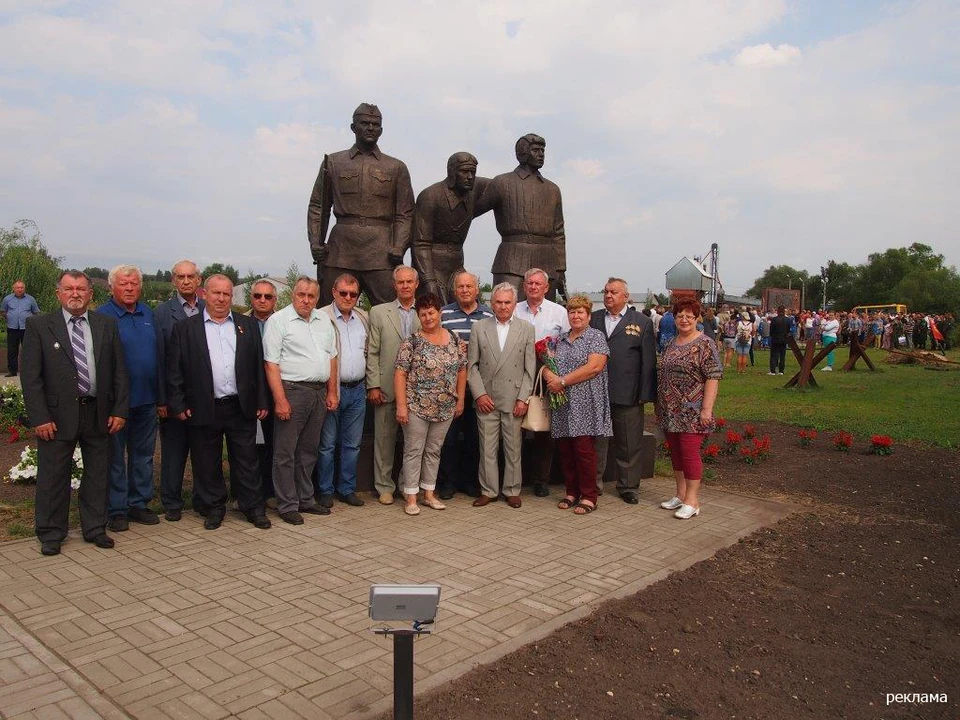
(19,530)
(906,402)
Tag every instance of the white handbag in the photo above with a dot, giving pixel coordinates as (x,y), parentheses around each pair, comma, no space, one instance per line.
(537,418)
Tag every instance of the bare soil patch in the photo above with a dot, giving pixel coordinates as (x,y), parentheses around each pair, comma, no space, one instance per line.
(819,616)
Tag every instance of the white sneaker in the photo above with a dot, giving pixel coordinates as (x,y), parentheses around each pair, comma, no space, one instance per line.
(771,373)
(672,504)
(826,369)
(779,373)
(686,512)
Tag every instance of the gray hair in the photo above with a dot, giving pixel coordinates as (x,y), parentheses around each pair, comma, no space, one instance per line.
(306,279)
(76,275)
(458,273)
(124,270)
(535,271)
(173,270)
(264,281)
(398,268)
(619,280)
(504,287)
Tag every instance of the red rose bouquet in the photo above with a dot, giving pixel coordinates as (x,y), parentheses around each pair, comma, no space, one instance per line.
(546,350)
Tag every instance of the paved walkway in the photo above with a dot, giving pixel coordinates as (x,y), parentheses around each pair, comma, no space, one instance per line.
(179,622)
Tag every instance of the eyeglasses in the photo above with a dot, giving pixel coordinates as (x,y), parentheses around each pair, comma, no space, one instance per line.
(263,296)
(348,293)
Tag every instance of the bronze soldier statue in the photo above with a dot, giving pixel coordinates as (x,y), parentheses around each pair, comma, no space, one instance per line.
(444,213)
(529,216)
(372,198)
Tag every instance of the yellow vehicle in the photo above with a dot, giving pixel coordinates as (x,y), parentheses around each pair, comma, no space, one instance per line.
(888,308)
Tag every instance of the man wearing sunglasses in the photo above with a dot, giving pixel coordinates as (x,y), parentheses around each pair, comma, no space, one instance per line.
(343,427)
(263,303)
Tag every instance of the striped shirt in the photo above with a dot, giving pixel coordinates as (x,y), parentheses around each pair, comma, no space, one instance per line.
(460,323)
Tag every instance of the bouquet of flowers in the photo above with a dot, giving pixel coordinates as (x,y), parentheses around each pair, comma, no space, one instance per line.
(546,353)
(25,471)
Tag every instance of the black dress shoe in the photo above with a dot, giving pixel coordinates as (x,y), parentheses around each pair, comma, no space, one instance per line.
(292,517)
(314,510)
(447,494)
(259,520)
(326,500)
(13,374)
(102,541)
(173,515)
(351,499)
(144,516)
(541,490)
(629,497)
(118,523)
(214,520)
(50,547)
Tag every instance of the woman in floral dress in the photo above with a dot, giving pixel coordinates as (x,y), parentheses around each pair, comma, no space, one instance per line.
(430,380)
(688,378)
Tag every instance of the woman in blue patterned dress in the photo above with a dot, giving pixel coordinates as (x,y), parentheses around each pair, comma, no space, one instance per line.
(581,358)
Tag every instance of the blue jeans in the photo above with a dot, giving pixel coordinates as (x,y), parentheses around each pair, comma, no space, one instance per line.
(346,426)
(131,461)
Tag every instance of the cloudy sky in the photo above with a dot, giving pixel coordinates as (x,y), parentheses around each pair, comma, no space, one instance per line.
(785,131)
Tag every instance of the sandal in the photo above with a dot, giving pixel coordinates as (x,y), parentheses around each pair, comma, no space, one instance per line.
(567,503)
(411,509)
(583,508)
(434,503)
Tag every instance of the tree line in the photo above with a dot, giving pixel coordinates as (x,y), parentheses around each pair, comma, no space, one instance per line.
(915,276)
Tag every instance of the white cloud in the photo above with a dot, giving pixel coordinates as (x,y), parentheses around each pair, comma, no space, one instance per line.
(148,132)
(767,56)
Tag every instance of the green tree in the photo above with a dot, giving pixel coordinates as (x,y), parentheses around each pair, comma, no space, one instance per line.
(220,269)
(930,290)
(777,276)
(24,257)
(97,272)
(283,299)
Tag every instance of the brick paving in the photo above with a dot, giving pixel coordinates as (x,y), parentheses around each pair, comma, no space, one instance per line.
(179,622)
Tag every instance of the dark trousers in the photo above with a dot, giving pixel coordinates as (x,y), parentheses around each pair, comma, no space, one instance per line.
(579,464)
(265,457)
(540,454)
(627,443)
(14,338)
(460,455)
(206,450)
(778,356)
(54,463)
(174,448)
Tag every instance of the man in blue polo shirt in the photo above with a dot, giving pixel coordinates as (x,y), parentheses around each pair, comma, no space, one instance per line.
(16,308)
(460,456)
(131,457)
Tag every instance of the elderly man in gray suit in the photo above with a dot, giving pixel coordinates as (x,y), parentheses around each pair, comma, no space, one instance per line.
(390,324)
(500,368)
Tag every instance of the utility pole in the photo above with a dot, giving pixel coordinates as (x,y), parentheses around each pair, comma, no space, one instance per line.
(824,278)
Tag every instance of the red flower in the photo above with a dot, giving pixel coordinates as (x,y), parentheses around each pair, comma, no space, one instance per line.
(733,437)
(13,434)
(711,451)
(842,440)
(749,431)
(881,445)
(721,423)
(807,437)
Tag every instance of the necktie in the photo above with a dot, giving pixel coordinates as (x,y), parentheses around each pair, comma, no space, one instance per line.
(80,356)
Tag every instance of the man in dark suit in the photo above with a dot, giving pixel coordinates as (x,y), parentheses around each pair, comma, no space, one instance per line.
(632,373)
(174,443)
(216,384)
(75,388)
